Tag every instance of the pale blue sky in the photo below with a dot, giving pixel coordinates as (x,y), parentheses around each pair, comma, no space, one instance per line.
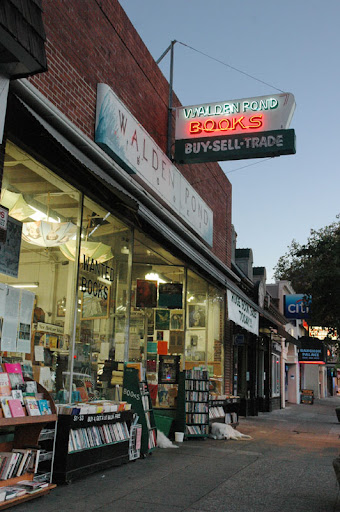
(291,45)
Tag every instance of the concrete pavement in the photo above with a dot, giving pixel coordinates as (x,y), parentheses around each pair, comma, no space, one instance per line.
(287,466)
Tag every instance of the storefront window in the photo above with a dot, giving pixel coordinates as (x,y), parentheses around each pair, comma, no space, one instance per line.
(37,295)
(276,375)
(205,326)
(157,318)
(103,307)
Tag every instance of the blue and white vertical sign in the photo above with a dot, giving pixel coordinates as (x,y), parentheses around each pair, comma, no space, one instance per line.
(297,305)
(120,135)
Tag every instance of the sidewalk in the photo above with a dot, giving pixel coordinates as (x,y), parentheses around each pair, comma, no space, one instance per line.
(287,466)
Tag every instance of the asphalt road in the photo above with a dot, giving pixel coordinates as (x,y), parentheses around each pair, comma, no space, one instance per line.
(285,467)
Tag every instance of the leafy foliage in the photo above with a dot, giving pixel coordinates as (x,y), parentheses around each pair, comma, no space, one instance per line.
(314,269)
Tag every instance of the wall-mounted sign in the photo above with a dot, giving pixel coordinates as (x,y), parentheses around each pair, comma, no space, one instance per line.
(311,351)
(235,147)
(297,306)
(322,333)
(242,313)
(247,115)
(120,135)
(234,130)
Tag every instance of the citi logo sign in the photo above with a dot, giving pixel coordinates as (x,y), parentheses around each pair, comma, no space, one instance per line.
(297,306)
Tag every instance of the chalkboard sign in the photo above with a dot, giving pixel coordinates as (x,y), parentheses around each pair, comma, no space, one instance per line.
(307,396)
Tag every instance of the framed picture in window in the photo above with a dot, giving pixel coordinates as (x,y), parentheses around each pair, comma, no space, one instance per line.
(196,316)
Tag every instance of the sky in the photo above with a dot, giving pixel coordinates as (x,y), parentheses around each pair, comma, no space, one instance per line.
(246,48)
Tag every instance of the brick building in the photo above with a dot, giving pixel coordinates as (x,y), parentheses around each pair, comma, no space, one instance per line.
(126,255)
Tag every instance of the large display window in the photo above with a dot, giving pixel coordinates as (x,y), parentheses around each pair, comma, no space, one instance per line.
(39,308)
(86,293)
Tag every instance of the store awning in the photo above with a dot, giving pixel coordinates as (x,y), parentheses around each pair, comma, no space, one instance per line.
(148,209)
(73,152)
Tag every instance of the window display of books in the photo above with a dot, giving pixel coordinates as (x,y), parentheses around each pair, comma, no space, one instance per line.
(19,398)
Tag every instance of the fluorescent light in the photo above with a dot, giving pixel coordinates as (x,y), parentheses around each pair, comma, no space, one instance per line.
(25,285)
(152,276)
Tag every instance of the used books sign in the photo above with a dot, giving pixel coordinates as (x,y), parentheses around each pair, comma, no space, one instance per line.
(233,130)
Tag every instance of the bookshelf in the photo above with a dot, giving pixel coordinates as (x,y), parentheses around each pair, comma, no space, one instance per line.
(136,392)
(193,403)
(224,409)
(24,433)
(86,443)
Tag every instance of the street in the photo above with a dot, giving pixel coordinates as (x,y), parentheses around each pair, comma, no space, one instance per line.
(286,466)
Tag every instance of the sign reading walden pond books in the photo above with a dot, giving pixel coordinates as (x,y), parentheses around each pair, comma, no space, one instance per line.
(234,130)
(120,135)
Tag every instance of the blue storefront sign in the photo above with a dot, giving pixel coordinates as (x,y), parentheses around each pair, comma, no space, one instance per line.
(297,306)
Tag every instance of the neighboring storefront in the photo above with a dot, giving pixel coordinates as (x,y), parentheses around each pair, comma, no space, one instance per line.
(312,359)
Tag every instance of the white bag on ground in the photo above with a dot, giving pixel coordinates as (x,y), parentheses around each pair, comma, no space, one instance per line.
(163,441)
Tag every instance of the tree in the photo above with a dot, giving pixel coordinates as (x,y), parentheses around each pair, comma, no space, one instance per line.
(314,269)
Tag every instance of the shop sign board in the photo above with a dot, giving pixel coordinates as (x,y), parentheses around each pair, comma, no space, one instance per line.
(236,147)
(120,135)
(322,333)
(242,313)
(297,305)
(311,351)
(254,127)
(247,115)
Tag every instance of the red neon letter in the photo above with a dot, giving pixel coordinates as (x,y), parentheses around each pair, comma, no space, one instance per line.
(256,122)
(195,127)
(212,127)
(238,122)
(221,124)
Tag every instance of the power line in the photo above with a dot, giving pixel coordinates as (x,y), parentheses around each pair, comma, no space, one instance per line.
(231,67)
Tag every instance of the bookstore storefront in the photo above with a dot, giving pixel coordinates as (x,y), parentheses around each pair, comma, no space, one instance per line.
(82,291)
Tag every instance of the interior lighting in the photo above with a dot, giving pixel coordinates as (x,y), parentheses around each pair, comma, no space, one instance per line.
(152,276)
(25,285)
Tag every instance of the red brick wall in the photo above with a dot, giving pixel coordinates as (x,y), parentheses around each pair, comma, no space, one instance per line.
(91,41)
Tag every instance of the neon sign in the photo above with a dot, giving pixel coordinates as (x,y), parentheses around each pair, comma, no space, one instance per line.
(226,124)
(263,113)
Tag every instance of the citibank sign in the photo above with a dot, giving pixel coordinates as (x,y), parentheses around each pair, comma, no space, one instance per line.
(297,306)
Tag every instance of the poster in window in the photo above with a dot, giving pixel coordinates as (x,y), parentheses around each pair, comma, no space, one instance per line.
(196,316)
(170,295)
(146,294)
(176,344)
(93,307)
(162,319)
(176,320)
(10,249)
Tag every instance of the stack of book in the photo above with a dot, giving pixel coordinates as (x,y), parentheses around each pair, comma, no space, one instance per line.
(216,412)
(95,407)
(20,489)
(19,398)
(100,435)
(18,462)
